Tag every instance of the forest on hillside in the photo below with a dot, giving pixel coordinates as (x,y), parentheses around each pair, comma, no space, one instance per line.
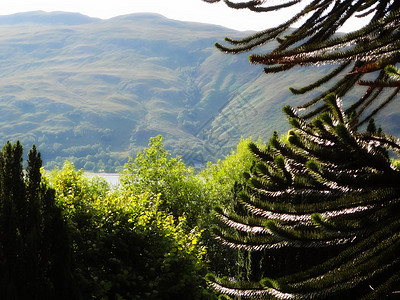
(311,214)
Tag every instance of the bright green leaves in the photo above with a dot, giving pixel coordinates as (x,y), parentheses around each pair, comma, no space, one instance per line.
(74,189)
(154,171)
(125,246)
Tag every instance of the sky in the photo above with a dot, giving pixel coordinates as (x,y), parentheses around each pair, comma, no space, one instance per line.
(185,10)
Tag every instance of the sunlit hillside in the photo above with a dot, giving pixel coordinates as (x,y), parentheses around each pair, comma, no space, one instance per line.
(94,91)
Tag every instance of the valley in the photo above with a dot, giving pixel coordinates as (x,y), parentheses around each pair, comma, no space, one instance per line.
(94,91)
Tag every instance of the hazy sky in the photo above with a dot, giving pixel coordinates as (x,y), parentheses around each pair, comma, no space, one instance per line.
(187,10)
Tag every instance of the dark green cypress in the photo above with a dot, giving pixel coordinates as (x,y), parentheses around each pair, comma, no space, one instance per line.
(35,258)
(12,213)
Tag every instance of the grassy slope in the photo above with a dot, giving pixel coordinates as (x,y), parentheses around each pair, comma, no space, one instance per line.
(95,92)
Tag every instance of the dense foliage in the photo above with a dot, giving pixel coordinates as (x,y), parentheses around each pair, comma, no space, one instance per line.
(183,193)
(125,246)
(81,239)
(148,238)
(35,254)
(319,215)
(154,171)
(134,242)
(222,178)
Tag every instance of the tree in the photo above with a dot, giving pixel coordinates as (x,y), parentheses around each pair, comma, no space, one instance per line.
(221,178)
(319,214)
(34,246)
(316,42)
(221,181)
(326,172)
(125,246)
(154,171)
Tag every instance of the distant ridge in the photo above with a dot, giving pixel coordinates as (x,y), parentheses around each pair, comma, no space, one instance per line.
(160,19)
(94,91)
(47,18)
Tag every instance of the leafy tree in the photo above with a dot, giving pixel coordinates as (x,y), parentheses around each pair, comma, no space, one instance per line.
(125,247)
(35,261)
(221,179)
(315,42)
(183,193)
(154,171)
(319,215)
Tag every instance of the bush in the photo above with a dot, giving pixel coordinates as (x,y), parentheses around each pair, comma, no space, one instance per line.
(124,246)
(154,171)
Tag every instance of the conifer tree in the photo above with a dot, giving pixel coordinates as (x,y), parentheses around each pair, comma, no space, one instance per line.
(319,214)
(316,42)
(34,247)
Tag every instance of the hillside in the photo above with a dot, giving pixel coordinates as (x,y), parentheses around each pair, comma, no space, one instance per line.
(94,91)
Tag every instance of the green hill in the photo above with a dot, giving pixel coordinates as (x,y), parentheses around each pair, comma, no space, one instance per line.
(94,91)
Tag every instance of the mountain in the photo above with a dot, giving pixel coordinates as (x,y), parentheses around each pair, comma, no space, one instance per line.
(43,18)
(94,91)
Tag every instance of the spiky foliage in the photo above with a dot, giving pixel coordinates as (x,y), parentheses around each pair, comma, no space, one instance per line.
(357,54)
(322,208)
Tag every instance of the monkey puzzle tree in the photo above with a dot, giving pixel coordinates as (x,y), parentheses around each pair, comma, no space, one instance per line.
(357,54)
(319,214)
